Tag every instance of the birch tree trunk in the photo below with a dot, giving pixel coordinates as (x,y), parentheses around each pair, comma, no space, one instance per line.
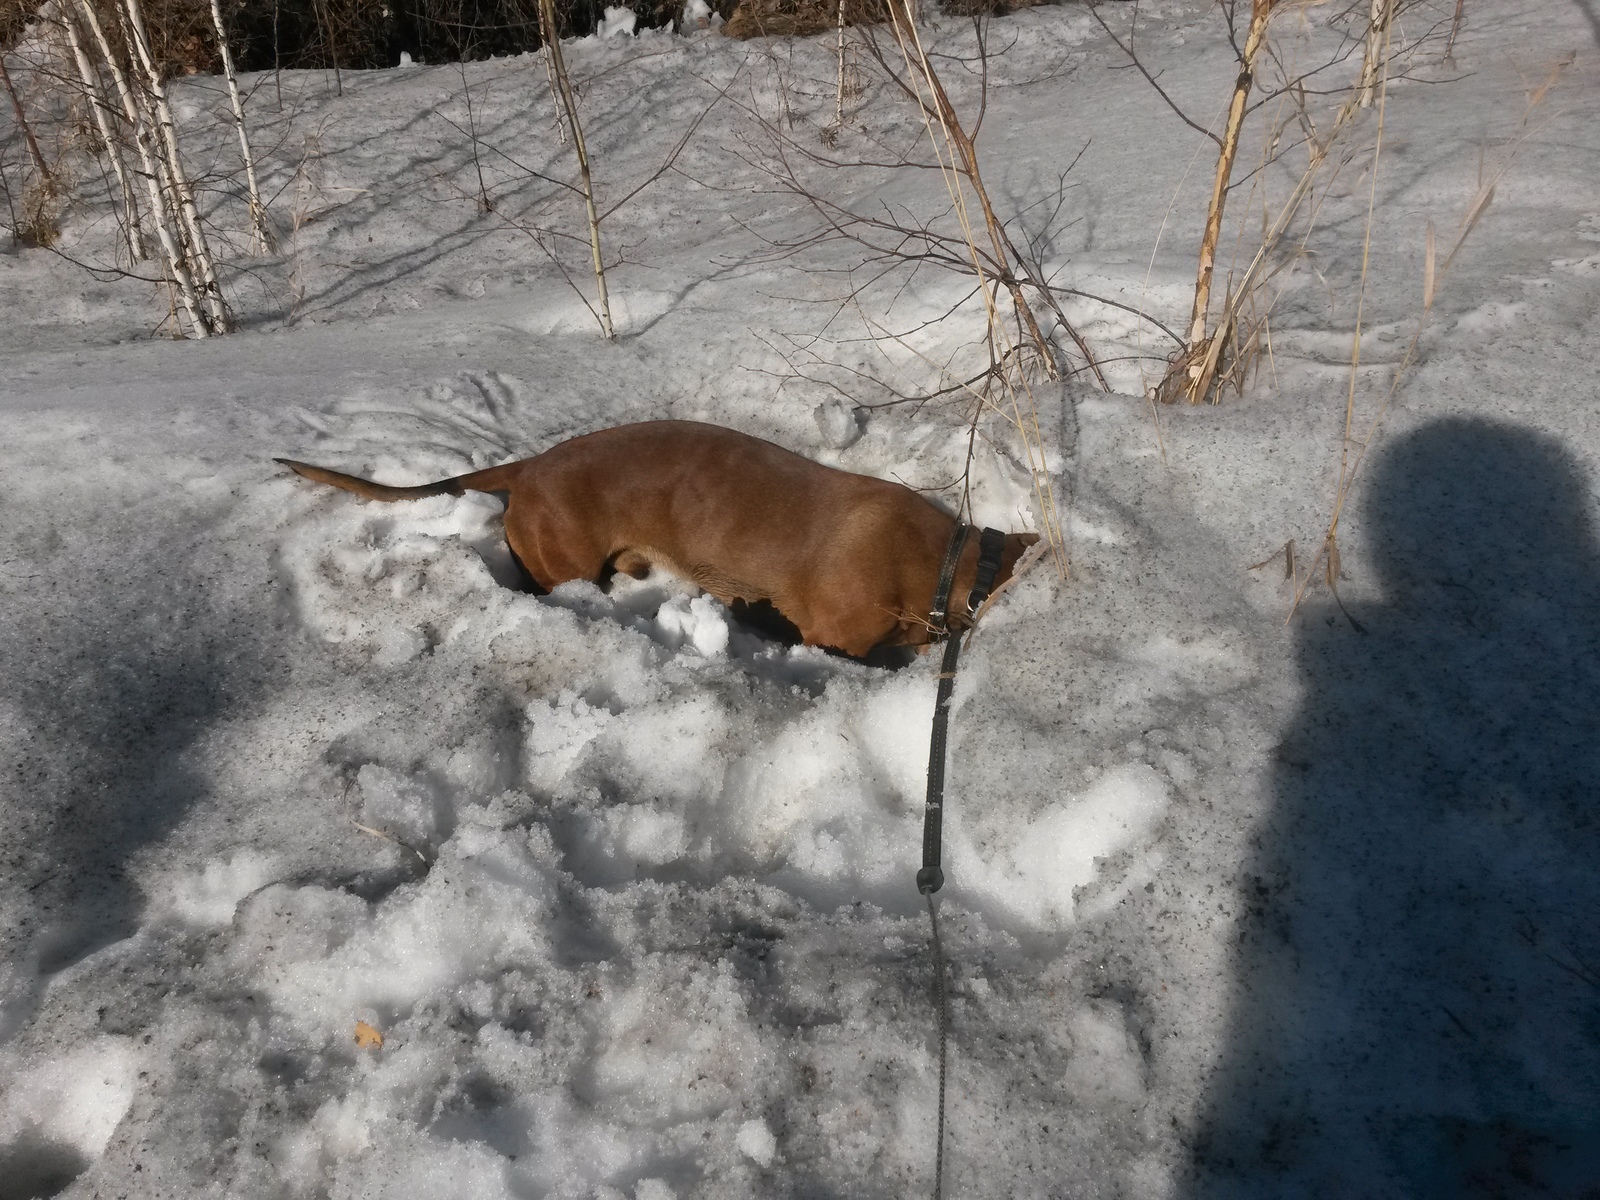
(94,90)
(154,172)
(545,34)
(260,234)
(167,130)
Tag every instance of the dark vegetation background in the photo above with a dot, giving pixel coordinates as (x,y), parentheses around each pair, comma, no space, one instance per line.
(367,34)
(353,34)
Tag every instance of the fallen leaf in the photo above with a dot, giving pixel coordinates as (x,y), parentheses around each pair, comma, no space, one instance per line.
(367,1037)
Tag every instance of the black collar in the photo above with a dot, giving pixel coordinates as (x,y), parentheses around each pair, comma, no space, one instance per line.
(991,543)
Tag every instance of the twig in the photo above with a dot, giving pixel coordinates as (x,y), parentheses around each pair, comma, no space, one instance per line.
(1094,11)
(389,837)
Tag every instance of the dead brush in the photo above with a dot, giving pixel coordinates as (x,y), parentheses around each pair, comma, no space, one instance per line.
(1225,351)
(801,18)
(991,341)
(39,223)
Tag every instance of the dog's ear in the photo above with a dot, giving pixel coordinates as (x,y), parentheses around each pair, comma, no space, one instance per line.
(1016,545)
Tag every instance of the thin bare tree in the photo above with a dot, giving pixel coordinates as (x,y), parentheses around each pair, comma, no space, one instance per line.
(261,239)
(40,226)
(569,105)
(1195,366)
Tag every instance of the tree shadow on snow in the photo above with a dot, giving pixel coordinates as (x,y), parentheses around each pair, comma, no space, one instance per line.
(1417,1005)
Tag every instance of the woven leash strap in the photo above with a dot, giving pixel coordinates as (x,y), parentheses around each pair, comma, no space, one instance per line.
(931,877)
(990,543)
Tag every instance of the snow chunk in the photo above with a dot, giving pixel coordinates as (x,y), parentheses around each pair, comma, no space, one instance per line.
(1062,849)
(839,423)
(617,21)
(1105,1063)
(326,958)
(211,896)
(403,806)
(698,621)
(756,1142)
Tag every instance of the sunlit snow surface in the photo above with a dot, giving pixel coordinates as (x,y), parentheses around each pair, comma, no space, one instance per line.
(1237,906)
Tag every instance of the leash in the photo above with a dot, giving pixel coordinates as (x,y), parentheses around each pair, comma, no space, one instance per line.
(991,542)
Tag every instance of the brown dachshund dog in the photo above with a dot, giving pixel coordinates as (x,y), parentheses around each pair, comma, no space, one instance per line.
(850,560)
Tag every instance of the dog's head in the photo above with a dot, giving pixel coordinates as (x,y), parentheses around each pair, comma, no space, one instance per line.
(1016,546)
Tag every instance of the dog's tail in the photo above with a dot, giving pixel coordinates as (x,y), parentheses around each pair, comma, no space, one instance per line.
(494,479)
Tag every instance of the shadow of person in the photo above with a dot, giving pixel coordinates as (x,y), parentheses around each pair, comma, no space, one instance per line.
(1417,1005)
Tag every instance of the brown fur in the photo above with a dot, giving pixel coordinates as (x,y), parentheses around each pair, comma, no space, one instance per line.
(852,561)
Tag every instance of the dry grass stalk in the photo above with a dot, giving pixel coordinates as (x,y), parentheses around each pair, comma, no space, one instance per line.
(1242,328)
(558,66)
(1353,453)
(1193,370)
(958,162)
(307,192)
(1244,289)
(1330,542)
(372,1034)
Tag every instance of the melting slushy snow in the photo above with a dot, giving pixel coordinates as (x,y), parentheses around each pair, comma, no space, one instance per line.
(1236,907)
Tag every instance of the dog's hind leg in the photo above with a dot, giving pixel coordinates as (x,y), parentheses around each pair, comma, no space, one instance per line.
(553,552)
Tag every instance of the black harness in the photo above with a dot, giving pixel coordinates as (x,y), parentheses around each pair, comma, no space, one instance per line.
(991,542)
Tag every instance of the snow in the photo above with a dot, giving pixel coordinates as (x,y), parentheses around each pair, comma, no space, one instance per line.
(617,22)
(1238,904)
